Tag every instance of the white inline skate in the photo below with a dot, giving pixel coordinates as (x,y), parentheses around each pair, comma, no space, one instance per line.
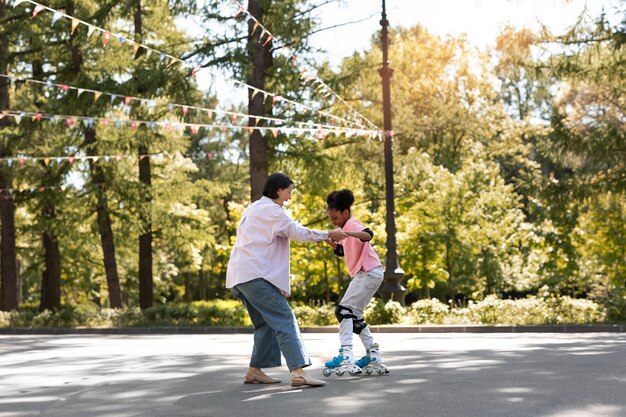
(342,363)
(372,362)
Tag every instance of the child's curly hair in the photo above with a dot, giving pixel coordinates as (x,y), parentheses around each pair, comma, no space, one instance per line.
(340,200)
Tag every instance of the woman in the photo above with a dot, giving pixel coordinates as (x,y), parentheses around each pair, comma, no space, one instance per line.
(258,275)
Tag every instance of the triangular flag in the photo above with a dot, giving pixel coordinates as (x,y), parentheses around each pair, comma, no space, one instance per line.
(38,117)
(223,129)
(57,15)
(239,11)
(18,118)
(173,60)
(185,110)
(269,38)
(127,100)
(256,26)
(113,97)
(136,47)
(80,91)
(46,161)
(105,38)
(71,159)
(209,114)
(65,87)
(105,122)
(38,9)
(275,132)
(274,98)
(148,53)
(96,95)
(90,30)
(254,93)
(195,71)
(262,131)
(233,118)
(95,158)
(75,23)
(22,161)
(256,121)
(121,39)
(68,121)
(134,124)
(194,129)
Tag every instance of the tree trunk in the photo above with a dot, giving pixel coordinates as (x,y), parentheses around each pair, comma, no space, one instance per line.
(9,286)
(104,224)
(261,57)
(187,296)
(51,283)
(146,284)
(201,287)
(98,179)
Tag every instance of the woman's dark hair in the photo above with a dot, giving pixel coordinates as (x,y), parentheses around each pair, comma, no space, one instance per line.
(275,182)
(340,200)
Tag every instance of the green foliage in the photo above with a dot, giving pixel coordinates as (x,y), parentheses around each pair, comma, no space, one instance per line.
(427,311)
(379,312)
(323,315)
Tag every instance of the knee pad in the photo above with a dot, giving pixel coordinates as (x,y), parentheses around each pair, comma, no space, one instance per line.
(342,313)
(358,325)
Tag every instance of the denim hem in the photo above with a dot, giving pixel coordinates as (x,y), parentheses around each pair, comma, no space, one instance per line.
(299,366)
(273,365)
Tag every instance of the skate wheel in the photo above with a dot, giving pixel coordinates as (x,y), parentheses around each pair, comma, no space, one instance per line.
(355,373)
(340,373)
(368,371)
(327,372)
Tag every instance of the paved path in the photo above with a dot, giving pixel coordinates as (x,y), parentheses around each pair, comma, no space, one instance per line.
(468,375)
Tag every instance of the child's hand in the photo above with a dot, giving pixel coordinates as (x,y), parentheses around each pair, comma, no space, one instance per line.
(331,243)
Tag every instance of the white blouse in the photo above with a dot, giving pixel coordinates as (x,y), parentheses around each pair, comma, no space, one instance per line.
(261,249)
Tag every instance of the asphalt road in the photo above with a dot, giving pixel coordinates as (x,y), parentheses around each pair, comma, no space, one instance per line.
(432,375)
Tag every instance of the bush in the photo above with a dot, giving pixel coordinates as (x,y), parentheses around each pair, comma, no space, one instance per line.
(615,308)
(315,316)
(490,311)
(428,312)
(379,312)
(578,311)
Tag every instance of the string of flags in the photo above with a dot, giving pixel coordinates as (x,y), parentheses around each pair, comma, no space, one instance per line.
(151,104)
(72,121)
(307,74)
(20,161)
(193,69)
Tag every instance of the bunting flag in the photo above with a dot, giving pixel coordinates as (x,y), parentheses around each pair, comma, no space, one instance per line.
(166,125)
(38,9)
(328,93)
(75,23)
(148,103)
(105,38)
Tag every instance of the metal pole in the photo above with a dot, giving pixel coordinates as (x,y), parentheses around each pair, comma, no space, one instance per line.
(392,289)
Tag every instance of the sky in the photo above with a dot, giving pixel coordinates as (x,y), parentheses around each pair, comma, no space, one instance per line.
(480,20)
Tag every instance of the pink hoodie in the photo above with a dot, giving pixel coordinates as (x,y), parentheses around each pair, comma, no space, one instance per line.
(359,255)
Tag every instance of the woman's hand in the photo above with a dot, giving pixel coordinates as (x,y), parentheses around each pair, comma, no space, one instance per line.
(337,234)
(331,243)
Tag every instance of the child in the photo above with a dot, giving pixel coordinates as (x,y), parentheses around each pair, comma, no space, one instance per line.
(367,275)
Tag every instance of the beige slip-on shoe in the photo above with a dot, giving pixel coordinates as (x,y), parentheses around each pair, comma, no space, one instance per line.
(298,381)
(259,379)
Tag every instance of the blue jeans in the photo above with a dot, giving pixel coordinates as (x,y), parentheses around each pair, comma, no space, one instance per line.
(275,327)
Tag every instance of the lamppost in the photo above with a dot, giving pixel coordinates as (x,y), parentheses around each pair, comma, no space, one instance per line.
(392,287)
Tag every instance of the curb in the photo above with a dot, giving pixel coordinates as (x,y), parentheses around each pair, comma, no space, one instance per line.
(546,328)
